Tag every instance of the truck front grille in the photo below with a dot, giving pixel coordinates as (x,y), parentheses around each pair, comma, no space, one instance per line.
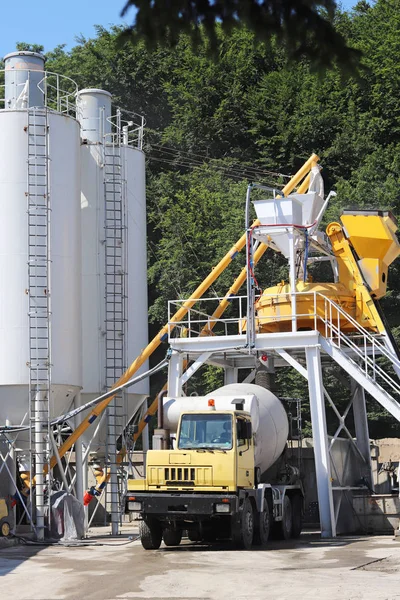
(180,476)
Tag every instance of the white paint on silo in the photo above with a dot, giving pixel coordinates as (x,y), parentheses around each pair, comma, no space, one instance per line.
(23,80)
(94,110)
(65,264)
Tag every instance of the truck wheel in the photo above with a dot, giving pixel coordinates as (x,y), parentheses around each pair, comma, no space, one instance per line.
(244,531)
(286,525)
(5,528)
(150,534)
(261,532)
(172,537)
(297,515)
(194,535)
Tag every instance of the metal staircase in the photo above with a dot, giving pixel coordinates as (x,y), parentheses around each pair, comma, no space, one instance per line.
(39,308)
(363,355)
(115,303)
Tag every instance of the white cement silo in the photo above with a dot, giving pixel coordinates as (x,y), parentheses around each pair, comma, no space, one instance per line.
(40,260)
(101,136)
(16,149)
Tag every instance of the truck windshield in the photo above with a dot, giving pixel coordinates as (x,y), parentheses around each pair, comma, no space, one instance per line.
(206,431)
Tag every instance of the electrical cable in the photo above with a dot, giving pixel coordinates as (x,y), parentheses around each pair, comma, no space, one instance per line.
(208,158)
(95,401)
(72,543)
(305,257)
(234,174)
(236,166)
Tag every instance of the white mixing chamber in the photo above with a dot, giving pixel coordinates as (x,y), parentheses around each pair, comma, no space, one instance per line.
(269,419)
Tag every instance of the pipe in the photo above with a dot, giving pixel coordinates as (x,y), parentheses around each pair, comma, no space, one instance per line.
(40,466)
(160,412)
(59,463)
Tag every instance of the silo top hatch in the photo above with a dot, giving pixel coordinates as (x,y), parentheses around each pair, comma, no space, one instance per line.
(94,91)
(24,53)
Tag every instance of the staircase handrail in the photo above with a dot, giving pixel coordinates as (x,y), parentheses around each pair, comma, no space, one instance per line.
(367,352)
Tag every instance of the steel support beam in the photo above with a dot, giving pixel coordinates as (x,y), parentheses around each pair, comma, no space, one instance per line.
(230,375)
(112,456)
(320,437)
(263,341)
(195,367)
(175,368)
(361,427)
(78,455)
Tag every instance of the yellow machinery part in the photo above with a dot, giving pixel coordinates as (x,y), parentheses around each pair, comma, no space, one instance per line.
(3,508)
(274,307)
(366,313)
(372,234)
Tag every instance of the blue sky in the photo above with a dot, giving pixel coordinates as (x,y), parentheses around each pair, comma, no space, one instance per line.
(53,22)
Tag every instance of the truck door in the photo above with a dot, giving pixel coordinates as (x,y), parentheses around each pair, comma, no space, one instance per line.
(245,453)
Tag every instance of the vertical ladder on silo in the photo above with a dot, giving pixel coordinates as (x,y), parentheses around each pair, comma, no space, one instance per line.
(115,303)
(39,310)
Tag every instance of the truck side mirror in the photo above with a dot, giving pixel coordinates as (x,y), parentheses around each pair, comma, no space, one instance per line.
(249,432)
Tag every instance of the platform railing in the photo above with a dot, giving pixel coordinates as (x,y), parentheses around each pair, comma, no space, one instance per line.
(127,129)
(366,348)
(58,91)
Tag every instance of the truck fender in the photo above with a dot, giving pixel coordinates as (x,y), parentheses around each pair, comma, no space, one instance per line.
(263,495)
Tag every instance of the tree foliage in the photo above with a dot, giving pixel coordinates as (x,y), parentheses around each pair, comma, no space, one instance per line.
(251,115)
(304,26)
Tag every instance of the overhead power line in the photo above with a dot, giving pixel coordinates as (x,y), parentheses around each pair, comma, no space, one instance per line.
(205,159)
(235,173)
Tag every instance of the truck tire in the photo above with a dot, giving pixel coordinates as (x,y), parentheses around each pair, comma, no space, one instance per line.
(4,528)
(262,530)
(194,535)
(243,531)
(297,515)
(171,536)
(286,525)
(150,534)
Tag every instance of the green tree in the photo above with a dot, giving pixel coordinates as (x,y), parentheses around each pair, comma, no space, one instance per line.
(304,26)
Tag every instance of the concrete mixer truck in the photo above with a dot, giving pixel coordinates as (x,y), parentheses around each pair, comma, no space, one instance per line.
(224,476)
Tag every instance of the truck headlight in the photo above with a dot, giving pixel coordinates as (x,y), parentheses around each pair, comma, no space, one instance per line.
(222,508)
(135,506)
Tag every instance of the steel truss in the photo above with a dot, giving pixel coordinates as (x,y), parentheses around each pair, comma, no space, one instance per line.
(309,353)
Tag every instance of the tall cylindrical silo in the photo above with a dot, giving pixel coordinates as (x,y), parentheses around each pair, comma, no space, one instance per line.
(40,250)
(114,274)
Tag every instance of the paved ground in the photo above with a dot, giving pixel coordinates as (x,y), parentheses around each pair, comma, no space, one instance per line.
(347,569)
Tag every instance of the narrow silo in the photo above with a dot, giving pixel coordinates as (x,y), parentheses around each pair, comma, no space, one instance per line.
(40,255)
(114,272)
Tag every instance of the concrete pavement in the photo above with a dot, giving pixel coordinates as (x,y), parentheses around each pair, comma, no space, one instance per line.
(350,568)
